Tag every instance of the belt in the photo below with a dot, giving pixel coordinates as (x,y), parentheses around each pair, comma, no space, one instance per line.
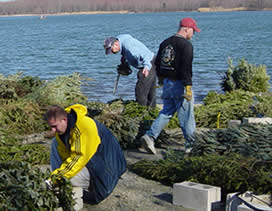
(172,79)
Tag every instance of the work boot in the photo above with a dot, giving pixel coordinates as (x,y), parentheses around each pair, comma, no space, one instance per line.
(148,144)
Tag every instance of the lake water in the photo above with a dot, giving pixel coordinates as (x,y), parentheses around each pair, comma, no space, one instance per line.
(61,45)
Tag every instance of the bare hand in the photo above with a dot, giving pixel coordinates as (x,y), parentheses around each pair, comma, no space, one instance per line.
(145,72)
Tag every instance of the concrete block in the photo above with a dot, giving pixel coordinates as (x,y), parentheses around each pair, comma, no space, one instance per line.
(255,120)
(234,123)
(196,196)
(78,194)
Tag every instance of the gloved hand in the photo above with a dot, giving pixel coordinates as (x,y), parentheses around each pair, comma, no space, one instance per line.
(49,184)
(188,93)
(124,69)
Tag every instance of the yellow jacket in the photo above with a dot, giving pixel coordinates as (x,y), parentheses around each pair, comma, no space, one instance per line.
(84,141)
(89,143)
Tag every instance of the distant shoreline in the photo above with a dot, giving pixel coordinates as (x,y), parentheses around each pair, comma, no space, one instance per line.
(221,9)
(71,13)
(203,9)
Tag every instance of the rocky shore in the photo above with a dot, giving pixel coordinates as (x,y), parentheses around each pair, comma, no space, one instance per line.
(135,193)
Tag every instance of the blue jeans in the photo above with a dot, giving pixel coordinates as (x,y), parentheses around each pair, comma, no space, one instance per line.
(173,101)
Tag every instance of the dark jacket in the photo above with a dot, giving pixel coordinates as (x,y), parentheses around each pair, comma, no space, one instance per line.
(174,59)
(107,164)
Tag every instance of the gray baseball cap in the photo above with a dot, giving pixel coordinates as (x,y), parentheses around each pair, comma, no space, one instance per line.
(108,42)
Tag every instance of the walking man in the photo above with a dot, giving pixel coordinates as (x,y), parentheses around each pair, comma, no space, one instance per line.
(135,53)
(174,67)
(85,152)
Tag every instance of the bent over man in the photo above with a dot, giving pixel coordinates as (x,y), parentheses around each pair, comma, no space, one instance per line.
(85,152)
(135,53)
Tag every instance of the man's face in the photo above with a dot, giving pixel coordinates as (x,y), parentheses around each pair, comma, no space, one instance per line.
(115,48)
(190,33)
(58,125)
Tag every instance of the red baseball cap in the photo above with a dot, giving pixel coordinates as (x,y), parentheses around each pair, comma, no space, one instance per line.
(190,23)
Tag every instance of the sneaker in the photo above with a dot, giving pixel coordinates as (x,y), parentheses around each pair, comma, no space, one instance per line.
(188,150)
(148,144)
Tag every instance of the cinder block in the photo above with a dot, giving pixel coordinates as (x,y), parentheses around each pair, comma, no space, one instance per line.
(78,193)
(196,196)
(255,120)
(234,123)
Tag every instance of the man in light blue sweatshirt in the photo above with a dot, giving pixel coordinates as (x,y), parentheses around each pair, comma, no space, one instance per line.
(135,53)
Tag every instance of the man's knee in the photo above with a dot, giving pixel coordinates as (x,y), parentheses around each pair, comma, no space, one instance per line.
(81,179)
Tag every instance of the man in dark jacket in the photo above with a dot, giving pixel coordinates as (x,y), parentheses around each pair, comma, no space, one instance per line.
(85,152)
(174,67)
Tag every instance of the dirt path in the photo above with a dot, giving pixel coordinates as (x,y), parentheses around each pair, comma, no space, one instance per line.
(135,193)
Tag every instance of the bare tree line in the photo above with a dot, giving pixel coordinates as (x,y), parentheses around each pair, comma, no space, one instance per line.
(61,6)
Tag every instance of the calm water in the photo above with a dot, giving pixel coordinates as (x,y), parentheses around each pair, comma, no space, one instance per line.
(61,45)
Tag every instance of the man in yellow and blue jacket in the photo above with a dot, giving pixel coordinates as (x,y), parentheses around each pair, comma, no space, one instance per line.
(85,152)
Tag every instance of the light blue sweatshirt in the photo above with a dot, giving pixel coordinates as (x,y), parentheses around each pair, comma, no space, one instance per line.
(135,52)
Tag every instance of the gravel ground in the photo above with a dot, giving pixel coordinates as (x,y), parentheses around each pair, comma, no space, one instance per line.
(135,193)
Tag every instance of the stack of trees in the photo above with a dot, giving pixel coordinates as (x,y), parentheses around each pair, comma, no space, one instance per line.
(237,159)
(23,100)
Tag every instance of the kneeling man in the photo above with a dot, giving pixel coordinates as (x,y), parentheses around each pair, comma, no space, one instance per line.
(84,151)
